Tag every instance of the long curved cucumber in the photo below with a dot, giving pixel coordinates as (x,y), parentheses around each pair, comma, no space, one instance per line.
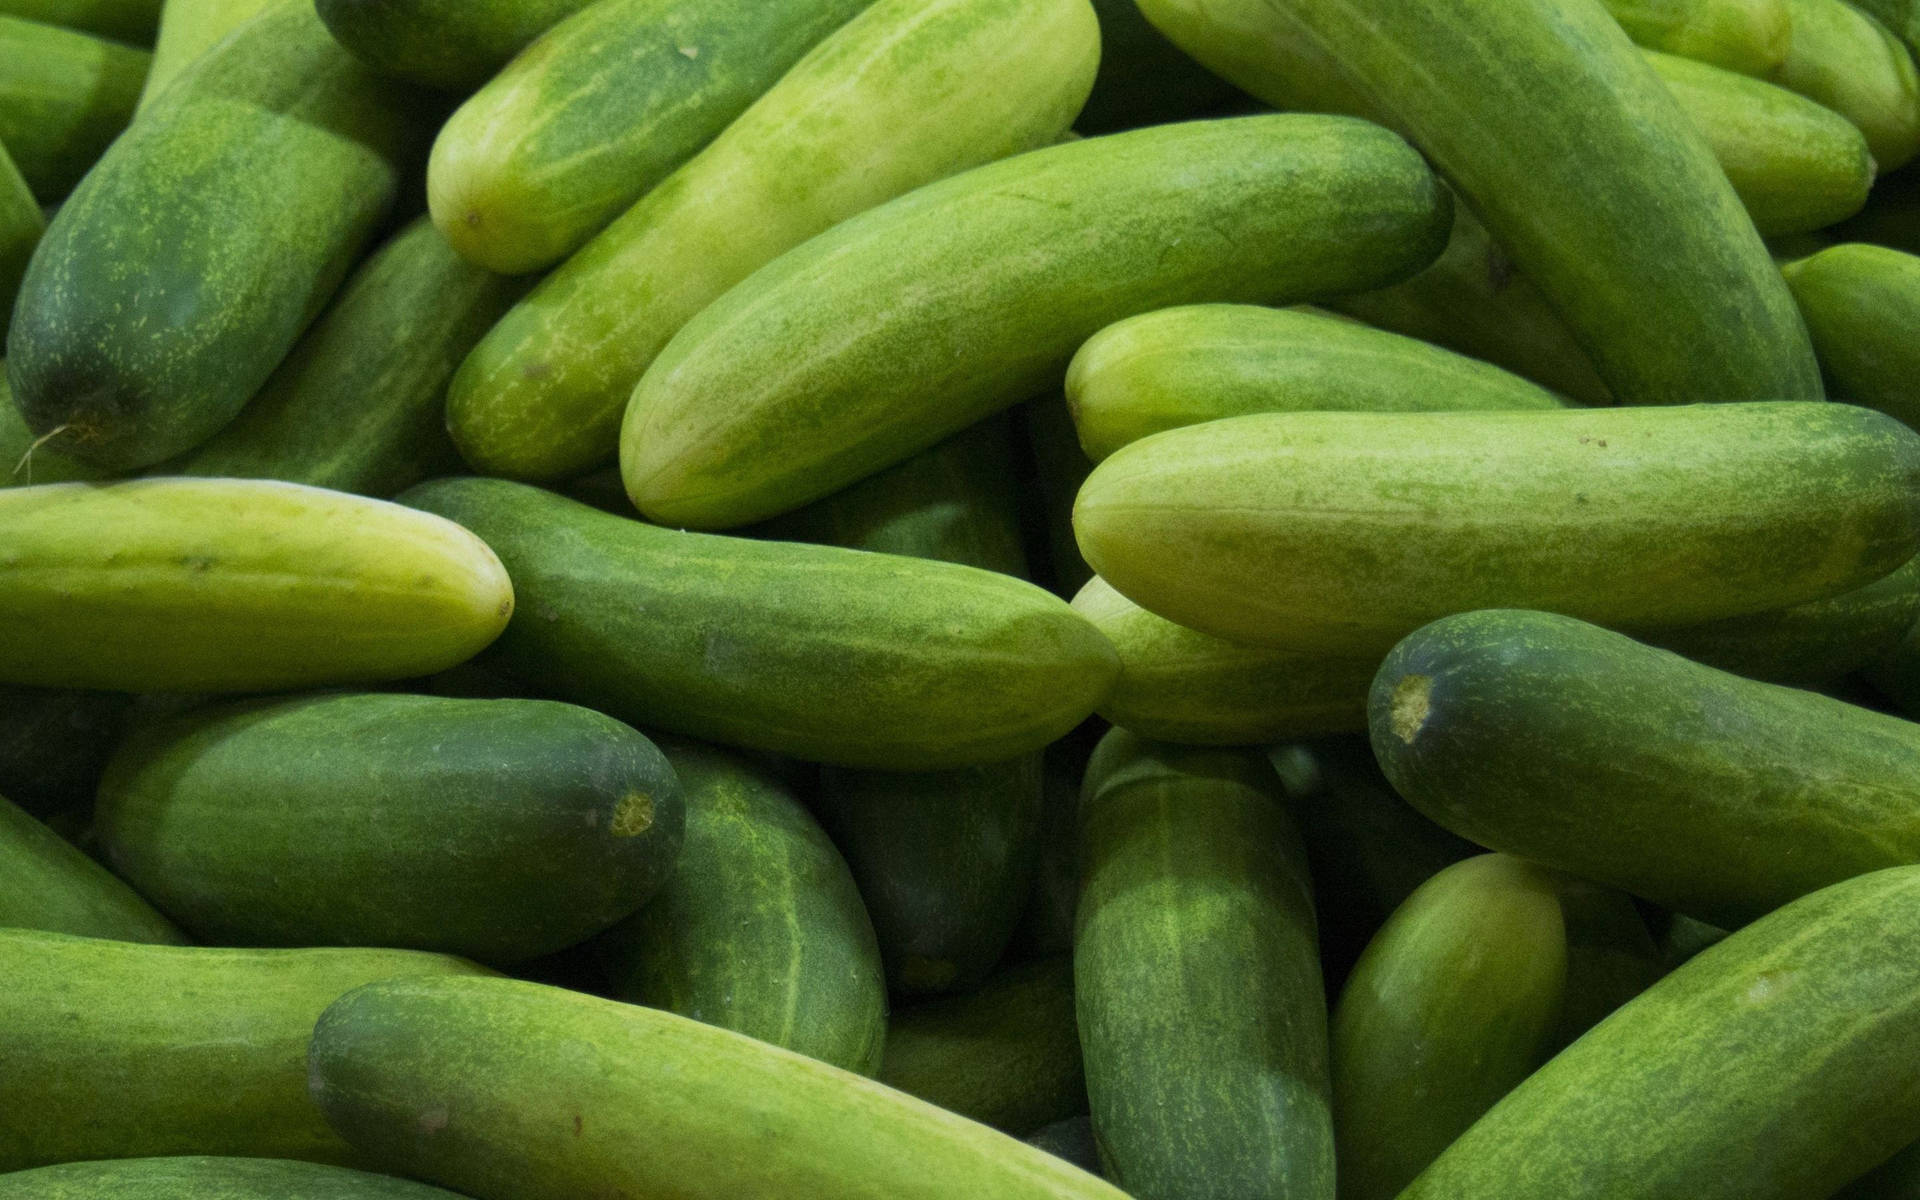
(906,93)
(188,29)
(117,1050)
(23,460)
(204,1178)
(760,930)
(1144,79)
(64,97)
(773,645)
(504,1089)
(47,884)
(54,745)
(138,335)
(1511,728)
(455,45)
(1343,532)
(1748,36)
(1851,63)
(1857,300)
(130,21)
(1197,977)
(21,225)
(234,585)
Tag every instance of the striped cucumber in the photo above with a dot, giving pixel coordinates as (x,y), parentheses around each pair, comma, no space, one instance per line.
(21,225)
(131,21)
(201,1178)
(1144,79)
(1748,36)
(54,744)
(47,884)
(1851,63)
(455,45)
(64,96)
(1859,301)
(188,29)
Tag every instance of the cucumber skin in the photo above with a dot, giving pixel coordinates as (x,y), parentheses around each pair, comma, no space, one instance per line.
(130,21)
(1737,798)
(1783,503)
(64,97)
(1751,37)
(1783,1027)
(249,585)
(453,45)
(279,156)
(47,884)
(1853,64)
(545,1093)
(1857,299)
(188,29)
(761,929)
(21,224)
(974,667)
(117,1050)
(54,744)
(1197,978)
(391,833)
(906,93)
(200,1178)
(1014,264)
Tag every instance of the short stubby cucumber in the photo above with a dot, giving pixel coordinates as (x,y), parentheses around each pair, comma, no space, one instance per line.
(1854,65)
(202,1178)
(64,97)
(1005,271)
(1341,533)
(455,45)
(131,21)
(21,225)
(207,585)
(601,109)
(188,29)
(1748,36)
(117,1050)
(140,332)
(389,831)
(1859,301)
(513,1091)
(54,744)
(1578,748)
(1144,79)
(1183,366)
(1783,1027)
(47,884)
(830,655)
(906,93)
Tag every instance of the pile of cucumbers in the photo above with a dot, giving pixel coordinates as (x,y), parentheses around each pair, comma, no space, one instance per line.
(960,599)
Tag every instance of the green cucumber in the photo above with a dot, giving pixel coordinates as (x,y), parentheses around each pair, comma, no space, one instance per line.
(1340,533)
(905,93)
(21,224)
(191,1178)
(1854,65)
(779,646)
(131,21)
(138,337)
(1006,1054)
(47,884)
(1197,977)
(455,45)
(360,404)
(117,1050)
(1060,467)
(1611,956)
(389,832)
(599,111)
(1781,1030)
(513,1091)
(1240,41)
(64,97)
(1581,749)
(1901,17)
(1859,301)
(1183,366)
(54,744)
(205,585)
(188,29)
(1144,79)
(1748,36)
(1684,938)
(23,460)
(760,930)
(1010,267)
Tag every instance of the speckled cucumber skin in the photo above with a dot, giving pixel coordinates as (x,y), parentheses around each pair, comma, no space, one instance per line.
(513,1091)
(208,585)
(47,884)
(182,270)
(204,1178)
(131,21)
(64,97)
(1581,749)
(1757,1071)
(188,29)
(117,1050)
(21,224)
(906,93)
(1197,978)
(1748,36)
(1853,64)
(920,317)
(455,45)
(1859,300)
(760,930)
(826,654)
(1341,533)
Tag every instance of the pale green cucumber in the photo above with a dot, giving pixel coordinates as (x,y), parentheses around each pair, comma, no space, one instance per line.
(230,585)
(1860,302)
(1851,63)
(455,45)
(188,1177)
(1144,79)
(46,884)
(188,29)
(64,96)
(1748,36)
(21,224)
(131,21)
(906,93)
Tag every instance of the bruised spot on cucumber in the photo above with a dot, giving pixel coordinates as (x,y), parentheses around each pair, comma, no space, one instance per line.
(633,815)
(1412,701)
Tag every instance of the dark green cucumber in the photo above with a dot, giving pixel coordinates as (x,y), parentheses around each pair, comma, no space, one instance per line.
(760,930)
(1197,978)
(1859,302)
(23,461)
(1006,1054)
(831,655)
(138,335)
(1853,64)
(1748,36)
(64,97)
(46,884)
(1581,749)
(54,744)
(451,44)
(21,224)
(1144,79)
(496,829)
(188,29)
(1757,1071)
(360,404)
(117,1050)
(1684,938)
(191,1178)
(131,21)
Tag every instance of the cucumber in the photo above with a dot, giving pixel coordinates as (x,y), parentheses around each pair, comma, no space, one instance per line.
(1018,263)
(391,832)
(1180,685)
(1197,977)
(1507,727)
(54,744)
(1857,299)
(360,404)
(21,224)
(188,29)
(1748,36)
(117,1050)
(22,460)
(189,1178)
(507,1089)
(195,585)
(1340,533)
(1059,468)
(454,45)
(772,645)
(760,930)
(47,884)
(1851,63)
(1901,17)
(1006,1054)
(278,156)
(1239,40)
(1782,1028)
(599,111)
(1184,366)
(132,21)
(1144,79)
(64,96)
(1611,956)
(906,93)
